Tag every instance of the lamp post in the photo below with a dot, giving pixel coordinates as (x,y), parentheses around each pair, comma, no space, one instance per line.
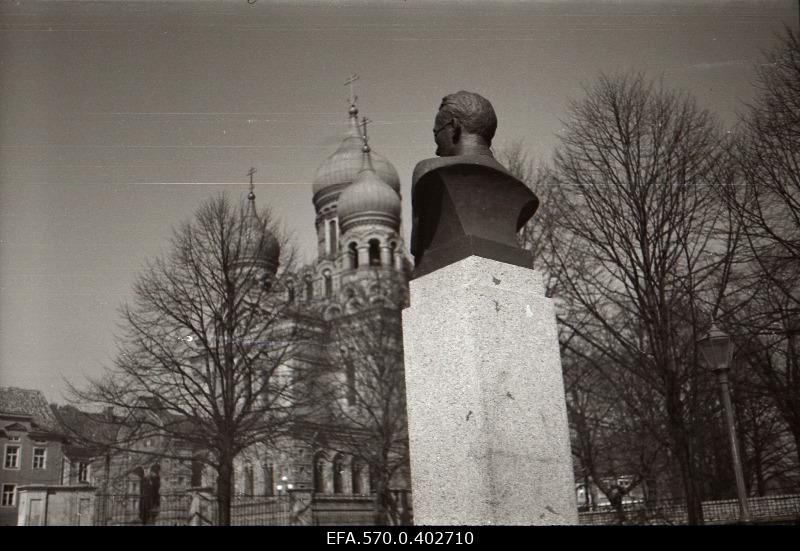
(717,349)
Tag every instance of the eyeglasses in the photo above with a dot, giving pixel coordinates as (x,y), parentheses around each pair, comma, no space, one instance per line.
(445,125)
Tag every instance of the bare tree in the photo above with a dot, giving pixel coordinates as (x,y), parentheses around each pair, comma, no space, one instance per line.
(765,323)
(765,196)
(611,437)
(364,392)
(205,357)
(545,227)
(635,164)
(613,430)
(769,450)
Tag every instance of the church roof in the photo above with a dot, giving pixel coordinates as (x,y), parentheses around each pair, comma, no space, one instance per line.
(343,166)
(368,196)
(259,248)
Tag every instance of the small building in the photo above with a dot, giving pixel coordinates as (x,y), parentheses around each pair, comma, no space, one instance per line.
(31,445)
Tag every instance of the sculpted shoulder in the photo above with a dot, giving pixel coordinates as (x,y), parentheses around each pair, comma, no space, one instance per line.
(427,166)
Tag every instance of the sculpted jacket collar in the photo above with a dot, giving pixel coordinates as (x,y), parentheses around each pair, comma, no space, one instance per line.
(477,155)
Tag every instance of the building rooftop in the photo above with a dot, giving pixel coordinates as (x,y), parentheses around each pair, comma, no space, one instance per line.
(22,401)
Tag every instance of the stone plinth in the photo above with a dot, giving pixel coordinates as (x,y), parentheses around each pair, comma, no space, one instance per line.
(486,407)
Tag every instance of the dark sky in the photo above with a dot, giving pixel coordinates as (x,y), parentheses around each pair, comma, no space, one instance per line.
(105,107)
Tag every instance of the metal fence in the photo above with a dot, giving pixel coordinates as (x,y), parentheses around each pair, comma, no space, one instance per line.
(247,510)
(254,510)
(782,508)
(123,510)
(174,510)
(200,508)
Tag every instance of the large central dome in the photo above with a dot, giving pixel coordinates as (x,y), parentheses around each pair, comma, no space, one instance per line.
(341,168)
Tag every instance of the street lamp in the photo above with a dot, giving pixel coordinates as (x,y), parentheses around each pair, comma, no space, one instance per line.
(717,348)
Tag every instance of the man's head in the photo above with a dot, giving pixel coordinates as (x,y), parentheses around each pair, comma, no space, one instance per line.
(464,120)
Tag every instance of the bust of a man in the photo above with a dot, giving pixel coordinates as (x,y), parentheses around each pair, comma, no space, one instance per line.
(464,202)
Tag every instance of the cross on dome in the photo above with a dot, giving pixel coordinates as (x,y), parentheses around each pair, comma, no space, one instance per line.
(351,82)
(364,122)
(366,157)
(252,195)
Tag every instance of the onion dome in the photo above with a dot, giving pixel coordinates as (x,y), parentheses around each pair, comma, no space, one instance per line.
(368,198)
(341,168)
(262,250)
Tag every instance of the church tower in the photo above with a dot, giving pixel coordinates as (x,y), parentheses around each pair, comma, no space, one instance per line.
(260,253)
(360,260)
(337,172)
(369,218)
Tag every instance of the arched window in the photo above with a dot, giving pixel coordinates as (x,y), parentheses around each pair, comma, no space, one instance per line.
(333,237)
(357,472)
(350,373)
(373,478)
(290,291)
(197,472)
(247,487)
(269,474)
(374,252)
(353,254)
(338,474)
(309,288)
(319,473)
(328,283)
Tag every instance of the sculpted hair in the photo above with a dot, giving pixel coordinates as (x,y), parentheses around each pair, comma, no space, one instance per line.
(473,111)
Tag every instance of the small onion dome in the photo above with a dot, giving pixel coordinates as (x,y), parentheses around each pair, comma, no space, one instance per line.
(343,166)
(264,250)
(369,197)
(270,253)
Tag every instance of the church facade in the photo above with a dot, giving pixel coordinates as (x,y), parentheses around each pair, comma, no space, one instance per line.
(350,298)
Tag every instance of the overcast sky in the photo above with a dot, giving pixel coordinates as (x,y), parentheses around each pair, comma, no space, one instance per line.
(105,107)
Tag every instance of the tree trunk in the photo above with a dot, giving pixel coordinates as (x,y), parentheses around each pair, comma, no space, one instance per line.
(385,508)
(106,489)
(618,507)
(796,434)
(761,484)
(380,513)
(691,492)
(224,490)
(587,495)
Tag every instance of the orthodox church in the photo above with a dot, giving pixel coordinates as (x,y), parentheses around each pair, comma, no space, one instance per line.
(360,267)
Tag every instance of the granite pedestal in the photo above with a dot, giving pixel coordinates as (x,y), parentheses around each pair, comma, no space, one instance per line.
(486,407)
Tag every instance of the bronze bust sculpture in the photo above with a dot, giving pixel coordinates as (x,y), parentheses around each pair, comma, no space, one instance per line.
(464,202)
